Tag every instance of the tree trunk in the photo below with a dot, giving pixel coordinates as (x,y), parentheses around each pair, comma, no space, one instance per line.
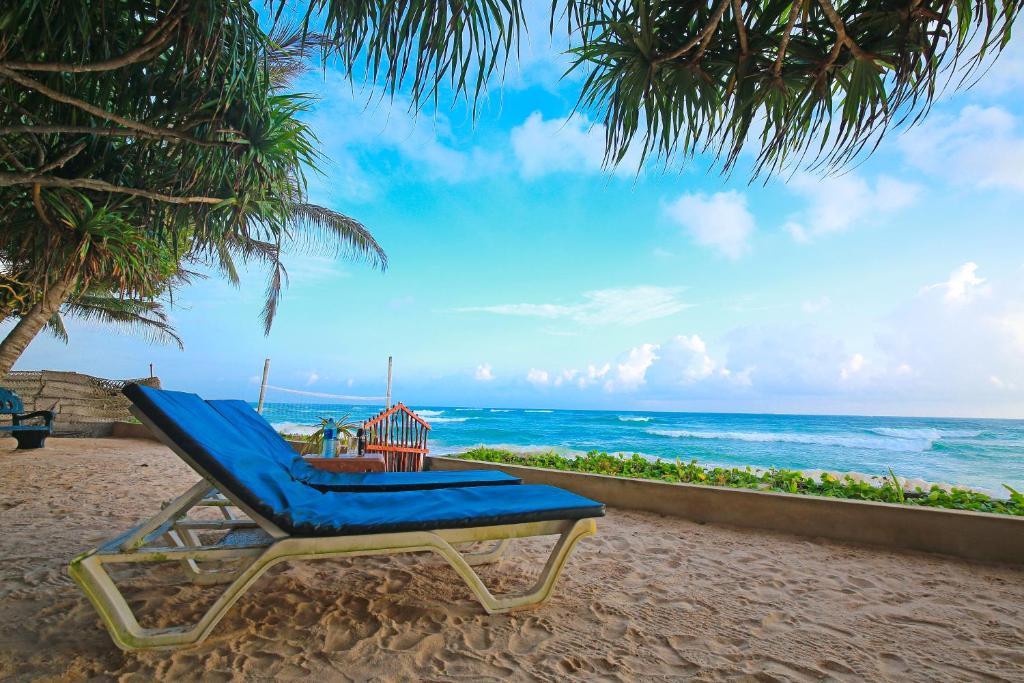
(18,339)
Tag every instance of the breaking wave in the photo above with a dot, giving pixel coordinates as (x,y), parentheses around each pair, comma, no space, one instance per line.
(633,418)
(914,445)
(293,428)
(933,434)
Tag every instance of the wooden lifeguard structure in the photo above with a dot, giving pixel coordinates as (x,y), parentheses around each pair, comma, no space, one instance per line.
(400,435)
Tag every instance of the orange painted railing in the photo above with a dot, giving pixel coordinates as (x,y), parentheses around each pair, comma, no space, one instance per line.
(400,435)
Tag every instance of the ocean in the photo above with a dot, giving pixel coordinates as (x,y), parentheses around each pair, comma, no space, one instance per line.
(978,453)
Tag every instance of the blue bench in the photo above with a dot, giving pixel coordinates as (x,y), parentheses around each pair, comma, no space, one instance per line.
(28,435)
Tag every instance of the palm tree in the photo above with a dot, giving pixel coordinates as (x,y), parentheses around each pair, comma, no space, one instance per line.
(307,227)
(129,151)
(807,81)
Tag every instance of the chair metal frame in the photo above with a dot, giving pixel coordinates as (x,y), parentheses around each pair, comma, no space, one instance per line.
(254,544)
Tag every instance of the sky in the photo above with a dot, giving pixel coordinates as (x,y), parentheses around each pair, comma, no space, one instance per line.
(523,274)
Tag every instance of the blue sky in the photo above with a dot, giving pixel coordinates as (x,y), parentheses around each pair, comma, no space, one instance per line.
(523,275)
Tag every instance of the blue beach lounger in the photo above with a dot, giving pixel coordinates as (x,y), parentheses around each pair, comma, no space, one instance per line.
(289,520)
(257,429)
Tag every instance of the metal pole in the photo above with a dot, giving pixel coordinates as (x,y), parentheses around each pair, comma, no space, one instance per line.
(263,386)
(151,370)
(388,406)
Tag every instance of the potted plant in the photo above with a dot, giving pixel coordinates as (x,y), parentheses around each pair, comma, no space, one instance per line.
(346,435)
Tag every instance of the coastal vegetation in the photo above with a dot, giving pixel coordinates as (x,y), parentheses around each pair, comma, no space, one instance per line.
(887,489)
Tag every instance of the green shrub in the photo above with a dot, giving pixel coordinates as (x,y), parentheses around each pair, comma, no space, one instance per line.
(888,490)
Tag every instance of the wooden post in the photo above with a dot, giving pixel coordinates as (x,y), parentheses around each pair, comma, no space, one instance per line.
(388,404)
(263,385)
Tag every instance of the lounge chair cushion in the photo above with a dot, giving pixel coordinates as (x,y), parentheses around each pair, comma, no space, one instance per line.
(252,423)
(259,479)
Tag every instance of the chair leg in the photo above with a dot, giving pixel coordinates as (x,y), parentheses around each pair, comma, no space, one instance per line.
(540,591)
(487,556)
(89,573)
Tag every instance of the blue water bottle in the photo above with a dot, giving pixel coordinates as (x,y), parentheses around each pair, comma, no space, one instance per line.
(330,439)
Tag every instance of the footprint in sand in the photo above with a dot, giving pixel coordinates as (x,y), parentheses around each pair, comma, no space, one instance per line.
(529,636)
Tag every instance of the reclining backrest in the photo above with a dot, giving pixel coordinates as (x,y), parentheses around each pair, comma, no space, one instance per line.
(242,415)
(250,470)
(258,430)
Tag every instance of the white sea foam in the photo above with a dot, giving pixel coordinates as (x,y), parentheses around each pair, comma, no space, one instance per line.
(429,413)
(925,433)
(468,410)
(538,411)
(917,445)
(442,420)
(500,410)
(633,418)
(293,428)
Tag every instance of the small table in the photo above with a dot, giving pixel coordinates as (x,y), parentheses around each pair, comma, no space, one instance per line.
(362,463)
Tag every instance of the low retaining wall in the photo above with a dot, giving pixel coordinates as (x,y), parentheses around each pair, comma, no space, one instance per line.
(969,535)
(131,430)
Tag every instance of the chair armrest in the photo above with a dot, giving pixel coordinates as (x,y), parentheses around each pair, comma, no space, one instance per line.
(46,415)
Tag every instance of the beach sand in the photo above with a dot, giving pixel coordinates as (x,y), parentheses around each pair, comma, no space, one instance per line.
(651,598)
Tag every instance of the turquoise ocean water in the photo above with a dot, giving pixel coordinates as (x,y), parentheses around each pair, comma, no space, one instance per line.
(972,452)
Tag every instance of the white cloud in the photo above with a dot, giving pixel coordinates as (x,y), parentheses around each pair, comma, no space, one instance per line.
(852,366)
(720,221)
(963,284)
(312,378)
(354,123)
(814,306)
(625,306)
(630,373)
(981,146)
(837,203)
(571,144)
(483,373)
(565,376)
(537,377)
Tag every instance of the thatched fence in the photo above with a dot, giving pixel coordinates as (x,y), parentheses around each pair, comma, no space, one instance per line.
(85,406)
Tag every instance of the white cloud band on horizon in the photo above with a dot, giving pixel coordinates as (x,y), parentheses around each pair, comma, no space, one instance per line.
(622,306)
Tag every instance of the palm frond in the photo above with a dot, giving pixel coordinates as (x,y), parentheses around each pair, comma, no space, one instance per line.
(429,43)
(278,280)
(289,51)
(55,326)
(313,228)
(133,315)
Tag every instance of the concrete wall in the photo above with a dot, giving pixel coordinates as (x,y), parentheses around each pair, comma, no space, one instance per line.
(969,535)
(131,430)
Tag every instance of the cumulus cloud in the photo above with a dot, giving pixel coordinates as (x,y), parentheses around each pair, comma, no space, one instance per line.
(813,306)
(837,203)
(982,146)
(963,284)
(484,373)
(537,377)
(631,372)
(720,221)
(353,124)
(944,350)
(572,144)
(624,306)
(852,366)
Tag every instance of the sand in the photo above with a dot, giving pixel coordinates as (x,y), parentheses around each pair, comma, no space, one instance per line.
(650,598)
